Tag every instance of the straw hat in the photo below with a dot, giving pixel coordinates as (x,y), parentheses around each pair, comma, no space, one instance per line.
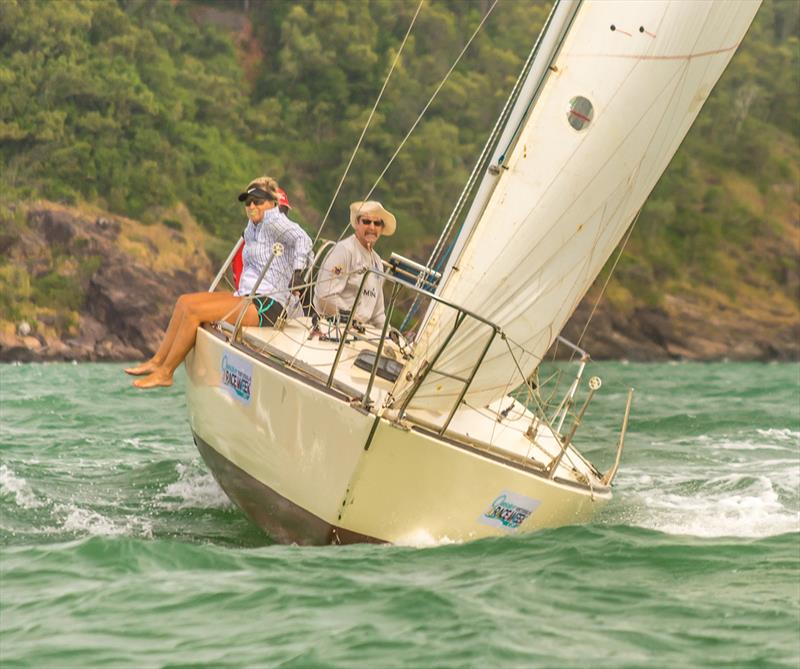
(373,208)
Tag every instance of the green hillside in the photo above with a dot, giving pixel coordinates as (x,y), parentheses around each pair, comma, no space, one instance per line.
(143,107)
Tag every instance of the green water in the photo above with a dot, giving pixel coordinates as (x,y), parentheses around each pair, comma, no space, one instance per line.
(117,548)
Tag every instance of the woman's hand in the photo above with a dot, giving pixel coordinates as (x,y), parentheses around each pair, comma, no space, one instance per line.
(296,284)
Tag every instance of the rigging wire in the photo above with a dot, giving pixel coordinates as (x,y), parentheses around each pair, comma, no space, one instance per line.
(369,120)
(608,279)
(432,98)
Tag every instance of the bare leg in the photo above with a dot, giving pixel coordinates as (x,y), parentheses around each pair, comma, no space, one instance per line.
(197,308)
(178,313)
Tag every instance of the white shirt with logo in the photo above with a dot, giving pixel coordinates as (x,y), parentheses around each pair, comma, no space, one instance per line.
(339,279)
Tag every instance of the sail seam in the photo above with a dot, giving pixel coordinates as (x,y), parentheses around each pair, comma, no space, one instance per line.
(632,56)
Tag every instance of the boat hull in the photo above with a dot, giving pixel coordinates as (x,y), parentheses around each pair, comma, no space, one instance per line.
(311,467)
(282,519)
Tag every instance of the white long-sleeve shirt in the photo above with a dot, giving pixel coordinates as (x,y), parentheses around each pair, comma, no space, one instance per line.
(260,239)
(339,278)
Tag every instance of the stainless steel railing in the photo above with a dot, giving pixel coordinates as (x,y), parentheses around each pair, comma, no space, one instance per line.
(401,284)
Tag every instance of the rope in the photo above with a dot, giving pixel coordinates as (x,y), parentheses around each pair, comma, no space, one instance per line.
(428,104)
(369,120)
(608,279)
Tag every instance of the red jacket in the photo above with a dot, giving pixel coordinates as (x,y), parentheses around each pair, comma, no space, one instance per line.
(237,265)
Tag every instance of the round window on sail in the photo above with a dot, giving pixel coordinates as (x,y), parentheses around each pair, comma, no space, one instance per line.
(580,112)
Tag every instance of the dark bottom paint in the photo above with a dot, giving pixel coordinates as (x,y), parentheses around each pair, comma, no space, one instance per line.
(282,519)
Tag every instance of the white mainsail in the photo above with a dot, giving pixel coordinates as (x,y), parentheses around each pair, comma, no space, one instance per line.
(620,95)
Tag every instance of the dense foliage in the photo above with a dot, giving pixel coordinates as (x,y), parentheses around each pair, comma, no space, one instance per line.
(138,105)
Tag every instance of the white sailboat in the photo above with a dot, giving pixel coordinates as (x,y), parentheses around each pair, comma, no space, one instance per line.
(357,437)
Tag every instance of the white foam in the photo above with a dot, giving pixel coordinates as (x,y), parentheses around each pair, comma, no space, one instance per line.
(720,507)
(96,524)
(423,539)
(784,434)
(193,490)
(10,484)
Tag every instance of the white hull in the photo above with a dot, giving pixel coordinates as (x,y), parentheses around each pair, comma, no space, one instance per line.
(311,466)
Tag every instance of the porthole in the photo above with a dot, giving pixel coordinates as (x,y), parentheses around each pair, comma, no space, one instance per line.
(580,112)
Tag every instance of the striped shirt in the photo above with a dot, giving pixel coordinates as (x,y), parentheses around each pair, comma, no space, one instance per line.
(259,240)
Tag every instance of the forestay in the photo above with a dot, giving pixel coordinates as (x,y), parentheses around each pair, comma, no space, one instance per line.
(618,99)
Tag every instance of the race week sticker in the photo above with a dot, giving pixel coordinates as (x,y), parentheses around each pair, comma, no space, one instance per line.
(509,510)
(237,377)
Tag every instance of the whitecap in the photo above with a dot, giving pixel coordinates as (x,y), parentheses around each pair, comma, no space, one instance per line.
(84,521)
(717,509)
(784,434)
(11,484)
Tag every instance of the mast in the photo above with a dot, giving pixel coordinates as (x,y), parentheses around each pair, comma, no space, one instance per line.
(523,96)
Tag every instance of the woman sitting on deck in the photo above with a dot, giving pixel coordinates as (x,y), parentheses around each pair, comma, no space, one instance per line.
(266,227)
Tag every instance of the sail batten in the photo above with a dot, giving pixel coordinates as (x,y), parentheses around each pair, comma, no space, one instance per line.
(626,85)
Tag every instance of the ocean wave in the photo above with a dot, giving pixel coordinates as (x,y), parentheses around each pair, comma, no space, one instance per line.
(85,521)
(11,484)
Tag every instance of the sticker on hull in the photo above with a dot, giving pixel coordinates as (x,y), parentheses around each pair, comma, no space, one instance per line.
(509,510)
(237,377)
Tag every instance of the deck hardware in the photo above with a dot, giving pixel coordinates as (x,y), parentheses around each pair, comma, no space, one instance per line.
(395,289)
(504,413)
(462,315)
(346,328)
(563,408)
(611,473)
(594,386)
(371,434)
(468,382)
(226,264)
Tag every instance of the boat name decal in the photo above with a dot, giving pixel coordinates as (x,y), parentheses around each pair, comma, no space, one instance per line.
(237,377)
(509,510)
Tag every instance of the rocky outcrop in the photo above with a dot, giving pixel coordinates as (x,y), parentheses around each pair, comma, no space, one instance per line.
(124,304)
(684,328)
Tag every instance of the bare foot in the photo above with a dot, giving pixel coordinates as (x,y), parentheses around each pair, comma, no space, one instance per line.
(145,368)
(154,380)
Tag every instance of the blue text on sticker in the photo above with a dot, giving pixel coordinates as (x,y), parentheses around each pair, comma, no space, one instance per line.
(237,377)
(509,510)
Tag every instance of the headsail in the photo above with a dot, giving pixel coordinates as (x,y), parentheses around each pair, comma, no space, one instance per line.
(620,95)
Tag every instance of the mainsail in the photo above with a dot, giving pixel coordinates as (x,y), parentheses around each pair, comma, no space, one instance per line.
(618,93)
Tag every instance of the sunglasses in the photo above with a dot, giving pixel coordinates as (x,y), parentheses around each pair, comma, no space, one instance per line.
(369,221)
(258,201)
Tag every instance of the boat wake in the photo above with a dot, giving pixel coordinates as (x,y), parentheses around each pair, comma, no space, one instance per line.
(754,493)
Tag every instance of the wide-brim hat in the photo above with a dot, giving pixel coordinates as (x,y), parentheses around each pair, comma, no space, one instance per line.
(373,208)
